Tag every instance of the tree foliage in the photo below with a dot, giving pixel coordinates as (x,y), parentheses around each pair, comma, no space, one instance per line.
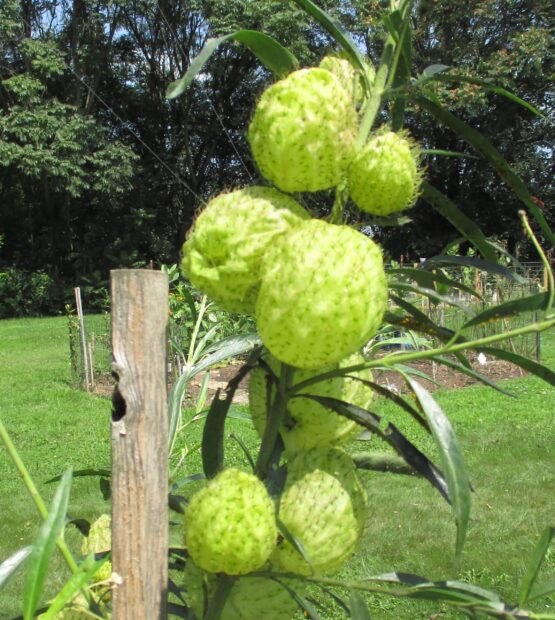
(98,169)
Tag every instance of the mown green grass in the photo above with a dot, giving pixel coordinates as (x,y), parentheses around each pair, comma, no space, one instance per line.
(509,446)
(53,427)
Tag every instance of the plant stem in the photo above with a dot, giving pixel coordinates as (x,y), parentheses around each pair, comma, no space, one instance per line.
(546,265)
(202,309)
(33,492)
(274,419)
(217,602)
(336,215)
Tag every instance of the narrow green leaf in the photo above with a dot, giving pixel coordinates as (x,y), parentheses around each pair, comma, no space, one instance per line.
(406,579)
(382,461)
(336,598)
(439,590)
(509,308)
(534,565)
(442,152)
(87,569)
(44,545)
(359,609)
(482,144)
(180,484)
(414,323)
(430,294)
(467,227)
(89,471)
(393,319)
(216,604)
(306,606)
(391,435)
(395,398)
(471,373)
(451,459)
(180,611)
(9,566)
(294,542)
(467,588)
(395,219)
(220,351)
(414,372)
(542,590)
(427,278)
(336,31)
(227,348)
(432,70)
(527,364)
(245,449)
(440,593)
(279,60)
(499,90)
(471,261)
(177,503)
(212,448)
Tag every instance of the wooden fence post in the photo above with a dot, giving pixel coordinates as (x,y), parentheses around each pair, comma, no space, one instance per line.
(82,337)
(139,444)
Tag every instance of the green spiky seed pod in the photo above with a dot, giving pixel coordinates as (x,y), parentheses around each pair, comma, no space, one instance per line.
(251,598)
(322,296)
(350,79)
(324,507)
(303,131)
(71,613)
(99,540)
(230,524)
(78,609)
(310,424)
(384,177)
(224,250)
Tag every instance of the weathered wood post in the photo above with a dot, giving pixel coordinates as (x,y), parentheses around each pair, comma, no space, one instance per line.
(139,444)
(82,337)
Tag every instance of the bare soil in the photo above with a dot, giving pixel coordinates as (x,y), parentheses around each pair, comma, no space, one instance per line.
(445,377)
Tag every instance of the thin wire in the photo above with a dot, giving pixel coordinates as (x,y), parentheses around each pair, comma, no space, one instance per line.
(184,55)
(136,135)
(130,130)
(308,198)
(230,140)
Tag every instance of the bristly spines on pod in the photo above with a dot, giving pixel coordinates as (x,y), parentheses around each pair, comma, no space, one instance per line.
(250,598)
(223,253)
(230,524)
(322,295)
(303,131)
(350,78)
(308,423)
(99,540)
(324,507)
(385,176)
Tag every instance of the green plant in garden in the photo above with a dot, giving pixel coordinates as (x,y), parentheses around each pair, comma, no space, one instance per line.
(319,294)
(223,254)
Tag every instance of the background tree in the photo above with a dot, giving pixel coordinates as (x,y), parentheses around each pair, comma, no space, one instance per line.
(90,146)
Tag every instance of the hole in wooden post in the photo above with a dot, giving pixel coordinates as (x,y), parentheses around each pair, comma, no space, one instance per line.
(119,406)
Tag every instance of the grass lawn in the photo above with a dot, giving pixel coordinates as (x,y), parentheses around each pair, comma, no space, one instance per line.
(509,446)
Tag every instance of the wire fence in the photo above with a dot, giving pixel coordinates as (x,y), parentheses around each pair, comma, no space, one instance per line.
(91,363)
(494,289)
(91,356)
